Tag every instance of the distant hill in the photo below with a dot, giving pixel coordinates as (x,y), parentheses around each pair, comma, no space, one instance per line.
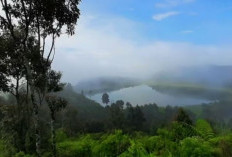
(213,76)
(211,82)
(108,84)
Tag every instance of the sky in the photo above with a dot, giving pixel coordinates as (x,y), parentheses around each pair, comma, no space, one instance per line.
(132,38)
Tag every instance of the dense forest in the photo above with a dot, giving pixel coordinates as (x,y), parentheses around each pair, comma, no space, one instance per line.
(85,128)
(40,116)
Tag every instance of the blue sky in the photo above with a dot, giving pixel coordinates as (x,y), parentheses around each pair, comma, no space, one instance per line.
(197,21)
(132,38)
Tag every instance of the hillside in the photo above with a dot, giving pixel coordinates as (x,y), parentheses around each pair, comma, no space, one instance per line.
(86,108)
(107,84)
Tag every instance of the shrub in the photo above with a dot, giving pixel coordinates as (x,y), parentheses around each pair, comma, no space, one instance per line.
(79,148)
(22,154)
(136,149)
(204,129)
(112,145)
(195,147)
(6,150)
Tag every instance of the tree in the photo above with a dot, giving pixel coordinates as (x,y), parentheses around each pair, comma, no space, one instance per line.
(138,118)
(135,117)
(42,19)
(55,104)
(117,114)
(105,98)
(13,72)
(183,117)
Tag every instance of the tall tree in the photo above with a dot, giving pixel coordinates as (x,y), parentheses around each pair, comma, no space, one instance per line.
(13,71)
(134,117)
(117,114)
(55,104)
(183,117)
(105,98)
(43,19)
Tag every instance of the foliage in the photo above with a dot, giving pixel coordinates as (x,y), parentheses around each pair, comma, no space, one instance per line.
(136,149)
(79,148)
(195,147)
(22,154)
(183,117)
(112,145)
(6,150)
(105,98)
(204,129)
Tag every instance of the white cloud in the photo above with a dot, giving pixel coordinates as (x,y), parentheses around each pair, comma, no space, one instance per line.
(162,16)
(111,50)
(172,3)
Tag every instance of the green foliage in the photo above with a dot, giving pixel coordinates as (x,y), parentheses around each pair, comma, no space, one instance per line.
(60,135)
(136,149)
(195,147)
(182,130)
(161,145)
(204,129)
(22,154)
(112,145)
(183,117)
(223,145)
(76,148)
(6,150)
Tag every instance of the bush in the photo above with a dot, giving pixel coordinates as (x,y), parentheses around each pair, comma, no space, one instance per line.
(22,154)
(223,145)
(160,145)
(61,135)
(112,145)
(204,129)
(181,131)
(136,149)
(6,150)
(79,148)
(195,147)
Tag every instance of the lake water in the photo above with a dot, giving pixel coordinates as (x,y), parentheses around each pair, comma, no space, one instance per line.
(144,94)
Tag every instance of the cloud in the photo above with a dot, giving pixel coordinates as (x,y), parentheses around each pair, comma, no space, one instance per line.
(172,3)
(101,49)
(162,16)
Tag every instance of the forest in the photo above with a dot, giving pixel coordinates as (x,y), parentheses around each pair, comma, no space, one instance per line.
(85,128)
(41,116)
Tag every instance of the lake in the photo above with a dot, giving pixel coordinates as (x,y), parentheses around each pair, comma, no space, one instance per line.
(143,94)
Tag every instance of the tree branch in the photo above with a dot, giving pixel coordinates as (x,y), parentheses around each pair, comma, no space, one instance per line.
(52,46)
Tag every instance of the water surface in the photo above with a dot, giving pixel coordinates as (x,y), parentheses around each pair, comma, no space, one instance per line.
(144,94)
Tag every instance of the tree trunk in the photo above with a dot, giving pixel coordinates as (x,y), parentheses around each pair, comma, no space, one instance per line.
(53,134)
(37,132)
(35,106)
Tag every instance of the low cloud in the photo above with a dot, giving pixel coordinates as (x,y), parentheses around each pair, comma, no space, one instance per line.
(111,50)
(162,16)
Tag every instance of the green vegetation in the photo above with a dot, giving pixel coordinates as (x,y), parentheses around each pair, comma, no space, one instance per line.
(165,143)
(124,131)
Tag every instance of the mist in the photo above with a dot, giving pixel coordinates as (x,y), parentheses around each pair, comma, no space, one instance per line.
(102,49)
